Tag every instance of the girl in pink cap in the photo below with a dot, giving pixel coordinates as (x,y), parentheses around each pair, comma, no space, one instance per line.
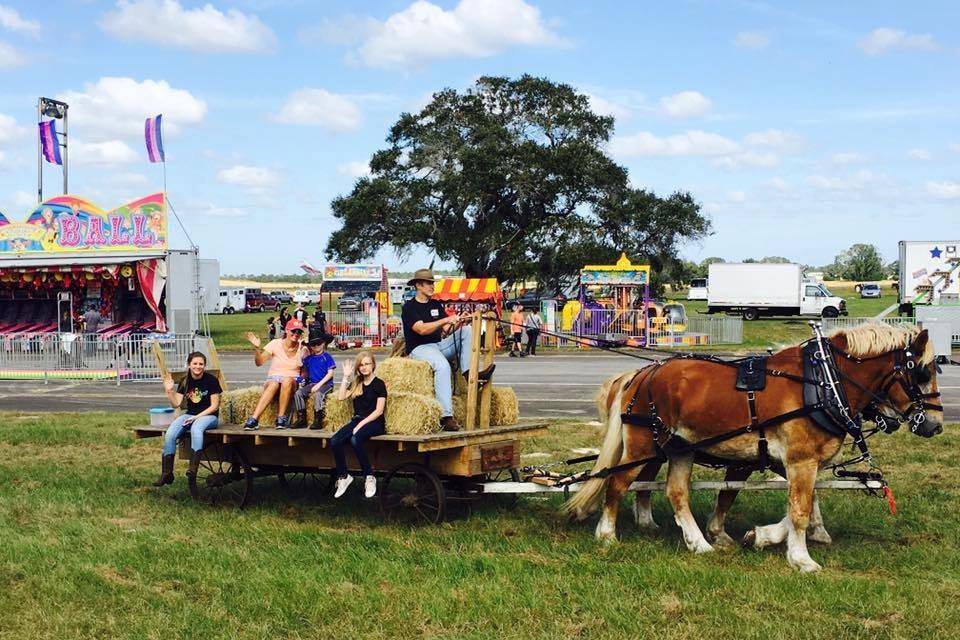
(286,359)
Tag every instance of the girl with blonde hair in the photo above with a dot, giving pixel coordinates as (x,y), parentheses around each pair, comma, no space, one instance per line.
(369,395)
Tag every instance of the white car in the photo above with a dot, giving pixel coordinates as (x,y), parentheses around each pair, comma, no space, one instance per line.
(307,296)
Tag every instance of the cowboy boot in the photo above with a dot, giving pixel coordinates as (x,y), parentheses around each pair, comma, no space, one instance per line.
(194,464)
(300,421)
(318,417)
(166,471)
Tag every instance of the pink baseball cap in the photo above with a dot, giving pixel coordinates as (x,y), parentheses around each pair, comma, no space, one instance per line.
(293,325)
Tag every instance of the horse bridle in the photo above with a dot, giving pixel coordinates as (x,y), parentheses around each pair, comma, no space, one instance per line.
(909,376)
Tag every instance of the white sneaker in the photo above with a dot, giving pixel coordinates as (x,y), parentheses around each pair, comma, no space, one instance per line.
(370,487)
(342,484)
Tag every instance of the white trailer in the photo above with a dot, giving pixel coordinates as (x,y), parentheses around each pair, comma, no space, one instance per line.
(209,281)
(929,273)
(764,289)
(231,301)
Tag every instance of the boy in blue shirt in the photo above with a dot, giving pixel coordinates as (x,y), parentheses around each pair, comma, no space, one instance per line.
(318,375)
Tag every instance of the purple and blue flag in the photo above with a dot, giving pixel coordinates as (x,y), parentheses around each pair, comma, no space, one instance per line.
(151,132)
(49,142)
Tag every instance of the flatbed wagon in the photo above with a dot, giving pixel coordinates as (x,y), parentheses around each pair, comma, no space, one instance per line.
(419,474)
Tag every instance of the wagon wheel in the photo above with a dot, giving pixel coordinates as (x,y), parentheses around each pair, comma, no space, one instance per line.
(411,492)
(307,483)
(504,500)
(223,477)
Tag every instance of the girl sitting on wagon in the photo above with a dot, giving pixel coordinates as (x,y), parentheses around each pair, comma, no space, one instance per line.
(202,392)
(369,395)
(286,359)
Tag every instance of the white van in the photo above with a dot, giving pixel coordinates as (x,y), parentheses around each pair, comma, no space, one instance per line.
(307,296)
(397,288)
(698,289)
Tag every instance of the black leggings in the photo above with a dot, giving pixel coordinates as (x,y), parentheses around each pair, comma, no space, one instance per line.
(346,436)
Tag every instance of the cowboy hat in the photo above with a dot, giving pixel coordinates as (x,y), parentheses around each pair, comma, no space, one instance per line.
(421,275)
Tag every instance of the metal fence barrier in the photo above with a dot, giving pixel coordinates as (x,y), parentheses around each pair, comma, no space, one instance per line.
(829,324)
(70,356)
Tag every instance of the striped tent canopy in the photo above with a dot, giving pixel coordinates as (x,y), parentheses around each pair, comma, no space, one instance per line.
(468,290)
(111,269)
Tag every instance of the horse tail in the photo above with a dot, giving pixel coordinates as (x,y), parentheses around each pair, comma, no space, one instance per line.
(602,399)
(587,499)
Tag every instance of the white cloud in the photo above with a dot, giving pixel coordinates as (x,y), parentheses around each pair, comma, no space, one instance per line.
(686,104)
(944,190)
(752,40)
(737,196)
(110,152)
(846,158)
(330,111)
(253,178)
(24,200)
(606,107)
(688,143)
(117,107)
(856,182)
(354,169)
(424,32)
(918,154)
(784,141)
(748,159)
(886,39)
(10,19)
(11,57)
(955,147)
(204,29)
(10,130)
(779,184)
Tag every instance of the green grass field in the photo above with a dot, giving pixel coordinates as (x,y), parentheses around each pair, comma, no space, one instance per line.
(91,551)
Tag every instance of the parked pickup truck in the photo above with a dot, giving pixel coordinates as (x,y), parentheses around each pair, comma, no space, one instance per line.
(261,302)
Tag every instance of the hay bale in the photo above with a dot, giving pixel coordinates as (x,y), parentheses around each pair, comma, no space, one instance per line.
(406,375)
(460,409)
(412,413)
(504,407)
(338,412)
(242,402)
(407,413)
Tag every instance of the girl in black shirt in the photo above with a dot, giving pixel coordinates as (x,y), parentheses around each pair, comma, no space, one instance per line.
(369,395)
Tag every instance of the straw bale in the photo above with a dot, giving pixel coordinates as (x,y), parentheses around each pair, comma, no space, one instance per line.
(242,402)
(406,375)
(412,413)
(338,412)
(407,413)
(504,407)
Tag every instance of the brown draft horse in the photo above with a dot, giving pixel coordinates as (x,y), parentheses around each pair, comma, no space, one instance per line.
(696,400)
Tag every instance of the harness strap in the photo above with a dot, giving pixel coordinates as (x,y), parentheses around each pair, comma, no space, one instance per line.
(762,448)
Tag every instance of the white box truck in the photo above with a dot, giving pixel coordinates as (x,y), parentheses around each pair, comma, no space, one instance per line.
(764,289)
(929,273)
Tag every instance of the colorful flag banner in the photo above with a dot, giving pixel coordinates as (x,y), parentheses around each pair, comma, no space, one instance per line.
(49,142)
(151,131)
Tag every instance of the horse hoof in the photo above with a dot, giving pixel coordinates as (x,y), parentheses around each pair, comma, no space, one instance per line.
(805,566)
(749,538)
(723,541)
(819,536)
(703,548)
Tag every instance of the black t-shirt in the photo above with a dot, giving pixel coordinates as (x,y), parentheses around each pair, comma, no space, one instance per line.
(413,311)
(198,392)
(366,402)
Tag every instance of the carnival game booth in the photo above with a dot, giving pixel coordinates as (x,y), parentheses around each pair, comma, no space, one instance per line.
(70,257)
(367,325)
(466,295)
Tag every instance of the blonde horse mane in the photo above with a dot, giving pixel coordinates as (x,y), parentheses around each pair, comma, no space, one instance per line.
(874,338)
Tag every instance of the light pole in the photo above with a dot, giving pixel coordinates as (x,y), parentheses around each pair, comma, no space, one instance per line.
(58,111)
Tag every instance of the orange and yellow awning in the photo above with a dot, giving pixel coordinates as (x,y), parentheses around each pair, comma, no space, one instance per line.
(467,290)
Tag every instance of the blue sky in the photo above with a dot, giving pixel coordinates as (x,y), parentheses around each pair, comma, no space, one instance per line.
(801,127)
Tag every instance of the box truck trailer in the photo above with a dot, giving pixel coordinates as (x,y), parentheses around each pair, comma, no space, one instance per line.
(929,273)
(762,289)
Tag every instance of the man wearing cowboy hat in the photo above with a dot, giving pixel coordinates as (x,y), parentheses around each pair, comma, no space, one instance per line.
(432,336)
(318,367)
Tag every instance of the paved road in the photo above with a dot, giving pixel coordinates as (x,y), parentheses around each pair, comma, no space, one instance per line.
(549,386)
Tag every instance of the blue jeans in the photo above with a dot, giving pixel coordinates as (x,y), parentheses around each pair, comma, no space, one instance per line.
(439,355)
(346,435)
(199,425)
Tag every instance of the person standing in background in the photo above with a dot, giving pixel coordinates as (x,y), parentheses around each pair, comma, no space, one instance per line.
(533,325)
(516,328)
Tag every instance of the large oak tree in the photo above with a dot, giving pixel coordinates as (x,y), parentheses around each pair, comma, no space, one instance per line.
(509,178)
